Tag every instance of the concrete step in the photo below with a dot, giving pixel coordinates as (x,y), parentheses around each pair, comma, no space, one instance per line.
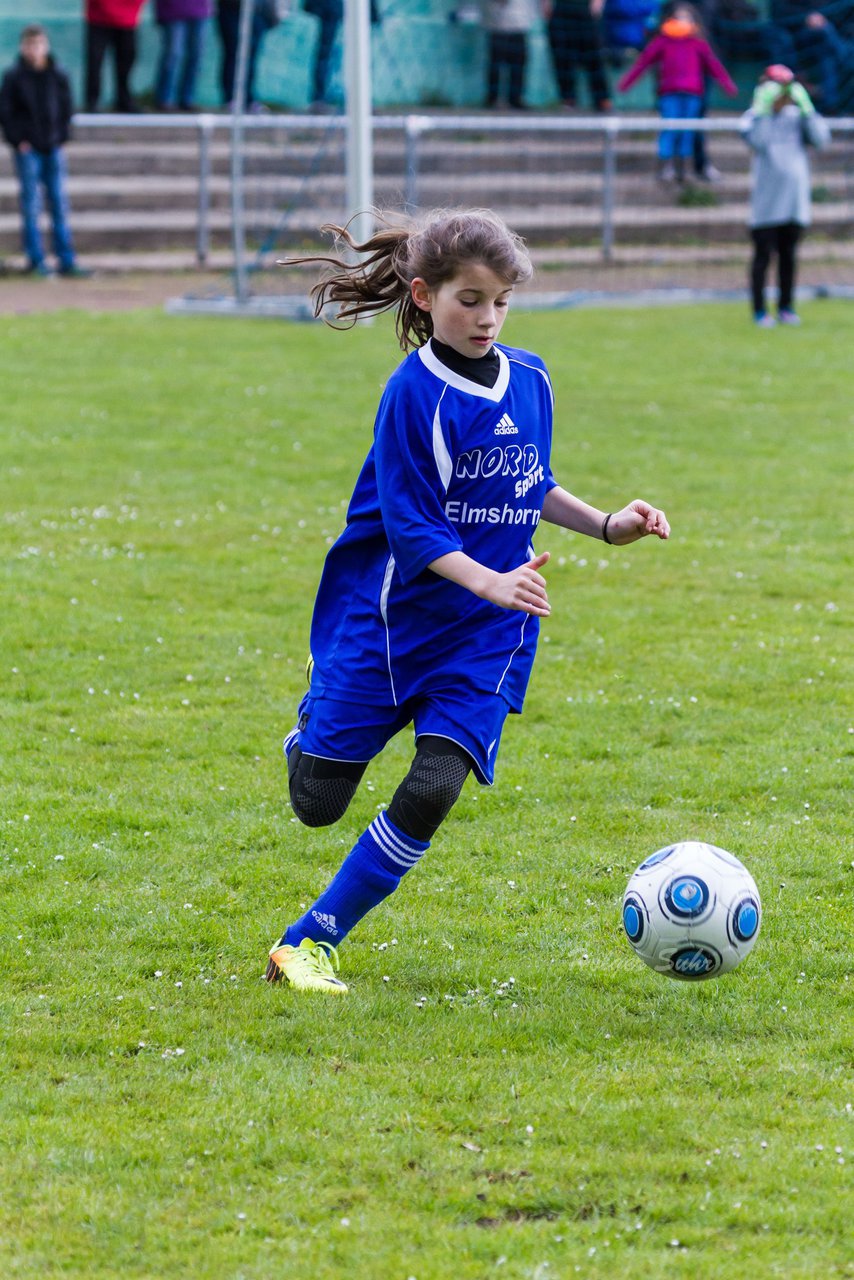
(182,262)
(137,188)
(155,192)
(174,149)
(289,155)
(561,224)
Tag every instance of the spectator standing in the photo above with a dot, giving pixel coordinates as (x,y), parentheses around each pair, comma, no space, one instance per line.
(815,49)
(508,23)
(264,18)
(682,59)
(111,24)
(330,15)
(780,126)
(35,116)
(706,13)
(576,44)
(182,27)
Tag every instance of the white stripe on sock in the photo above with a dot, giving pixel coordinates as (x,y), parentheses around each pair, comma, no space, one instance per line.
(394,836)
(393,846)
(390,853)
(406,863)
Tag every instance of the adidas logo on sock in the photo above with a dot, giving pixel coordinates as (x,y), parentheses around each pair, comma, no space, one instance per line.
(506,426)
(326,922)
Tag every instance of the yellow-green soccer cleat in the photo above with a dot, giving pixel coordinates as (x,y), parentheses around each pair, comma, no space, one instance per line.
(308,967)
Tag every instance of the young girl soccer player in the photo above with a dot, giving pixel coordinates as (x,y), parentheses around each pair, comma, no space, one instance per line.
(429,603)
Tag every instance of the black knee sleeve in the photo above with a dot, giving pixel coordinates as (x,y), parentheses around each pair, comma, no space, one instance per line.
(431,788)
(320,789)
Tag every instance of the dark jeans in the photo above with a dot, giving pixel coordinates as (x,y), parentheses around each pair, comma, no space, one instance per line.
(180,56)
(39,170)
(576,46)
(507,50)
(782,240)
(323,58)
(122,41)
(229,30)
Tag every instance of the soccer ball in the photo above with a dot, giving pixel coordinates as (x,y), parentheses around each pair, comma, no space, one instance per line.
(692,911)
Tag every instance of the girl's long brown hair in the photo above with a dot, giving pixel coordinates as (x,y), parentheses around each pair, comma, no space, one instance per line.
(433,247)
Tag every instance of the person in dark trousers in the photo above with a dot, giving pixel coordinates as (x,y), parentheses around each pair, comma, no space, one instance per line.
(35,116)
(508,24)
(330,15)
(111,24)
(228,21)
(576,44)
(780,127)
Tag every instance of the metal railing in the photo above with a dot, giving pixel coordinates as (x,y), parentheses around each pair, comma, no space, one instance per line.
(414,127)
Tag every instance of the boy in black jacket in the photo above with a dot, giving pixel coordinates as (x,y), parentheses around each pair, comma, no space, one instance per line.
(35,116)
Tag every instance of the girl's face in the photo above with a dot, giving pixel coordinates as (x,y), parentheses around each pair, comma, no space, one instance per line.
(468,310)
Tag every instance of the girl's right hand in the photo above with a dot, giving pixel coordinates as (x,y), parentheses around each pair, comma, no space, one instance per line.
(523,588)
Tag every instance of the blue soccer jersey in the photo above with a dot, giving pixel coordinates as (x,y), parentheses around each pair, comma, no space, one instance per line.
(454,466)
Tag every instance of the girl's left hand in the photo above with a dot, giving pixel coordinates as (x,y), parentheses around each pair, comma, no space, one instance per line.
(637,520)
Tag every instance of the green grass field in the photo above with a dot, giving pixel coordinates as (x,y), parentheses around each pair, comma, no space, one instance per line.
(506,1091)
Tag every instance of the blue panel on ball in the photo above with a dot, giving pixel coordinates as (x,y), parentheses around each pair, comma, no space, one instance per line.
(633,920)
(745,920)
(655,858)
(687,897)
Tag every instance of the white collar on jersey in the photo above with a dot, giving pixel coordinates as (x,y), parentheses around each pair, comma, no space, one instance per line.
(459,383)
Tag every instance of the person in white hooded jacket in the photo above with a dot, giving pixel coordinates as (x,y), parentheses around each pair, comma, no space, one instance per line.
(779,127)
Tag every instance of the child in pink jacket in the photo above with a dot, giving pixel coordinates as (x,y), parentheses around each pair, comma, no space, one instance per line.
(682,59)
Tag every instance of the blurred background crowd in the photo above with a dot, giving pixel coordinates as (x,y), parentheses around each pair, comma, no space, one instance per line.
(590,57)
(133,55)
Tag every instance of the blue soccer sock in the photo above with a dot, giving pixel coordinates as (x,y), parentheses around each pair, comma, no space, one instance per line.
(371,871)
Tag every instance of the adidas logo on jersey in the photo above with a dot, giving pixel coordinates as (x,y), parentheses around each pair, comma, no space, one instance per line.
(506,426)
(326,921)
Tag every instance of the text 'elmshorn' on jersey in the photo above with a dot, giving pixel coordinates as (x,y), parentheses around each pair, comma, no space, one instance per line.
(454,466)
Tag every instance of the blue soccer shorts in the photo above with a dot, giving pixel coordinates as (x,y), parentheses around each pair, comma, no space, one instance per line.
(356,732)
